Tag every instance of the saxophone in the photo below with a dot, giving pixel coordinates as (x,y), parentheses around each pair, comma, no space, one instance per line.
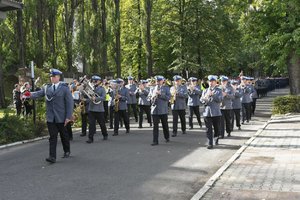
(117,100)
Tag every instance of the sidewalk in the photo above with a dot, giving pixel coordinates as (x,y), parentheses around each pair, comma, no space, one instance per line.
(268,168)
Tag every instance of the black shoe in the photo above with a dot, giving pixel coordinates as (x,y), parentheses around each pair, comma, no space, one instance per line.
(190,128)
(150,125)
(200,125)
(228,135)
(174,135)
(140,127)
(127,130)
(115,134)
(167,140)
(89,141)
(51,160)
(242,122)
(136,120)
(66,155)
(222,137)
(217,141)
(209,147)
(154,144)
(247,121)
(111,127)
(239,128)
(105,138)
(183,132)
(82,134)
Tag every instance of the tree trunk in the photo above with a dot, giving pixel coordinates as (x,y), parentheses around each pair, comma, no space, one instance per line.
(83,37)
(20,34)
(52,20)
(140,43)
(293,64)
(2,94)
(148,8)
(40,54)
(104,36)
(118,37)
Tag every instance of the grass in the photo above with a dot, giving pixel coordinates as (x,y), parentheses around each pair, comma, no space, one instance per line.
(7,110)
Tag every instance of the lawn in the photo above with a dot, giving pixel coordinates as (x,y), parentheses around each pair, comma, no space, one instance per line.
(7,110)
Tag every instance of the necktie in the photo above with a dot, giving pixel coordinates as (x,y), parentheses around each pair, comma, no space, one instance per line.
(54,88)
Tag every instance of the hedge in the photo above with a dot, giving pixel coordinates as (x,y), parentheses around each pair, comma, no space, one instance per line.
(286,104)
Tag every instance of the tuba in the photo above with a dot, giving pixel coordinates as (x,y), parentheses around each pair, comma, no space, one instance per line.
(88,89)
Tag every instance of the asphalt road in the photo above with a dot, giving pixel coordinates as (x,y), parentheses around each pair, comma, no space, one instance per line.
(125,167)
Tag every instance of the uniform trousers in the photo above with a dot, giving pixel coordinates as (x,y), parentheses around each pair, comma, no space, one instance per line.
(54,129)
(236,115)
(210,123)
(133,108)
(192,110)
(181,114)
(225,121)
(246,111)
(93,118)
(164,121)
(84,121)
(121,114)
(146,109)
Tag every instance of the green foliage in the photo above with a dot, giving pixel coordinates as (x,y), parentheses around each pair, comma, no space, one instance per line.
(286,104)
(13,129)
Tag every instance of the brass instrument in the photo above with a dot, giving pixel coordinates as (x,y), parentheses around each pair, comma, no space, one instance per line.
(155,96)
(82,107)
(88,89)
(117,100)
(173,94)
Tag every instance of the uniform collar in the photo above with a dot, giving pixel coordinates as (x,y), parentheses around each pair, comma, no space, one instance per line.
(56,85)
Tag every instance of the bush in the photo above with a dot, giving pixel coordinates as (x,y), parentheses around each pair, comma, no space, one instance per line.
(286,104)
(14,128)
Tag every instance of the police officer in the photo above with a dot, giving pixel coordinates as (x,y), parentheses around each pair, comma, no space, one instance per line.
(236,105)
(179,94)
(211,98)
(160,96)
(132,101)
(122,95)
(194,92)
(246,99)
(111,102)
(96,110)
(226,106)
(59,104)
(144,102)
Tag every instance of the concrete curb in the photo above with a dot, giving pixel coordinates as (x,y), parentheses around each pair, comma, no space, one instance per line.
(28,141)
(209,184)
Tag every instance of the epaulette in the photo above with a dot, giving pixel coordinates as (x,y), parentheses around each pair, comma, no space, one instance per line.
(64,84)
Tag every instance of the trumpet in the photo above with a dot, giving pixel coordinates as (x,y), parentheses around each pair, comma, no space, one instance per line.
(88,89)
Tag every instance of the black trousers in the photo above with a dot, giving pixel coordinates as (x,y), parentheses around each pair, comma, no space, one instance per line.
(54,129)
(105,105)
(93,118)
(133,108)
(253,105)
(146,109)
(18,108)
(121,114)
(181,114)
(84,121)
(165,126)
(69,130)
(111,116)
(225,122)
(237,116)
(246,111)
(194,109)
(210,123)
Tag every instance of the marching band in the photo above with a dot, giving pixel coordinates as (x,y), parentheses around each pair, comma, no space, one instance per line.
(102,101)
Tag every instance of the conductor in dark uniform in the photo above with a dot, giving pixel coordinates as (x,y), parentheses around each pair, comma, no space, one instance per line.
(59,110)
